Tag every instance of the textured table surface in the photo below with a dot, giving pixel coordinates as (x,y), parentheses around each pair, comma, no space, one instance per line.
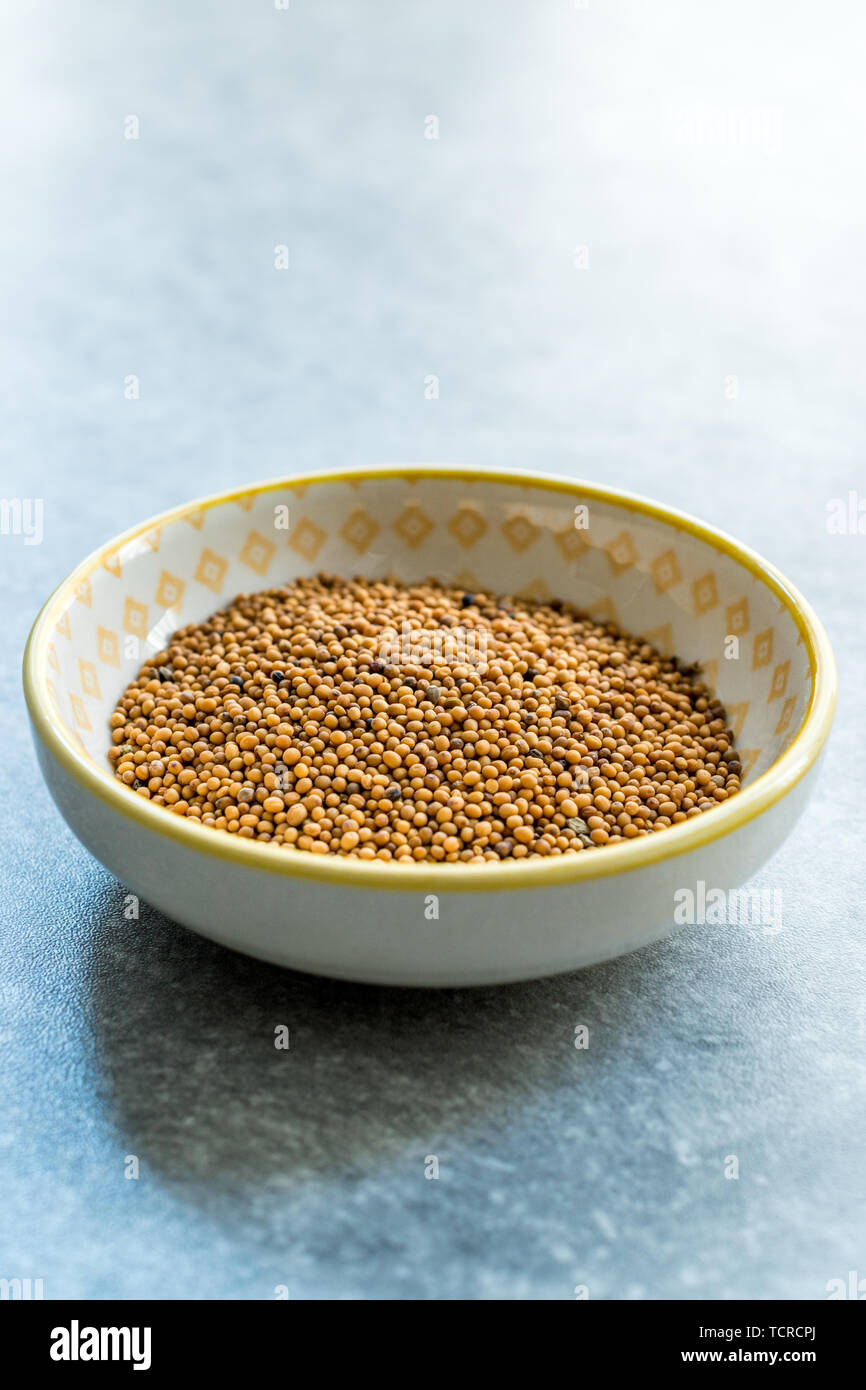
(705,348)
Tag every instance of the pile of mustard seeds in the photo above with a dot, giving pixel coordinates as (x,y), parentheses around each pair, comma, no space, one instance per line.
(419,722)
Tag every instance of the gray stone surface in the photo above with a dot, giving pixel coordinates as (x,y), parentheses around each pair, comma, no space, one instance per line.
(728,249)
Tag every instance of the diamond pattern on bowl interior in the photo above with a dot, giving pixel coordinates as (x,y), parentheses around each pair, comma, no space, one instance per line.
(617,564)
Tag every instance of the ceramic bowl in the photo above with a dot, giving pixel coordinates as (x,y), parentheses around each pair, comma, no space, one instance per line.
(686,587)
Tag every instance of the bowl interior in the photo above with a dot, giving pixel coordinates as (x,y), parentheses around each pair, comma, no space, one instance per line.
(611,557)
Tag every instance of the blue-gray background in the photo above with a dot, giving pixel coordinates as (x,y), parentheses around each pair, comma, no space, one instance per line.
(709,353)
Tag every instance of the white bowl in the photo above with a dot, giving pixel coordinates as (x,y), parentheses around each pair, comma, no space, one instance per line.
(687,587)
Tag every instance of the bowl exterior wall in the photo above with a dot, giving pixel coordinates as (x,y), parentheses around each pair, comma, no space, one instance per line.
(404,937)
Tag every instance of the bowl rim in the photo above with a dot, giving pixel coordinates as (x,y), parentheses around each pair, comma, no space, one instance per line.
(537,872)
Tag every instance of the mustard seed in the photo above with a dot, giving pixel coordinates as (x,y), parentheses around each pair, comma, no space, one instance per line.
(420,723)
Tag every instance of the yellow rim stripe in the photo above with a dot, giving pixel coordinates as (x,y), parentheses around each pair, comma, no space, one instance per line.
(752,801)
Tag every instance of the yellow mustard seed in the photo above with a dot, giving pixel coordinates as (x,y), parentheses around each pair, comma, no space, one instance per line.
(418,723)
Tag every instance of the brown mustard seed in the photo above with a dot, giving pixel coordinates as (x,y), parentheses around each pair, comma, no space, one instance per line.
(419,723)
